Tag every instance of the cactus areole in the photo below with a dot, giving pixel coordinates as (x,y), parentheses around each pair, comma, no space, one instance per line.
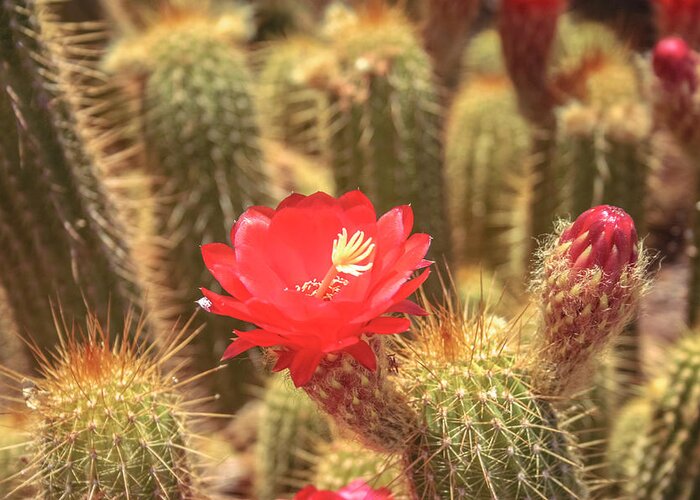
(317,276)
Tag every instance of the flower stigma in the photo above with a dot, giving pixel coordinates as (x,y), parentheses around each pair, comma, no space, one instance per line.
(346,258)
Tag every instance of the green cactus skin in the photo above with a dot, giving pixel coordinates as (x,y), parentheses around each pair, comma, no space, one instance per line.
(292,110)
(488,436)
(668,463)
(201,136)
(625,444)
(342,461)
(487,146)
(290,426)
(59,232)
(107,422)
(605,143)
(483,56)
(385,130)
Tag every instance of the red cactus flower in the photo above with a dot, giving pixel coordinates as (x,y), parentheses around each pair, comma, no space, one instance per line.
(316,275)
(681,18)
(357,490)
(602,236)
(674,64)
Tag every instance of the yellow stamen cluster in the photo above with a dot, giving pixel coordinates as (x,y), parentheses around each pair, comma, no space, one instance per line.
(347,255)
(346,258)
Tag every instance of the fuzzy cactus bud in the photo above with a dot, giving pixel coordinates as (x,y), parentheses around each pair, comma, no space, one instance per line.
(674,63)
(681,18)
(527,29)
(590,282)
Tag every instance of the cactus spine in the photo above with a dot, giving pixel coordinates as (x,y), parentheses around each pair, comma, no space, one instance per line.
(290,426)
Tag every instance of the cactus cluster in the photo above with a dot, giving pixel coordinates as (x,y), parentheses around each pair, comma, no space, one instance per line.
(136,133)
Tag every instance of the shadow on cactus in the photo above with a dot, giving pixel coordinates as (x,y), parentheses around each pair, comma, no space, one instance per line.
(106,419)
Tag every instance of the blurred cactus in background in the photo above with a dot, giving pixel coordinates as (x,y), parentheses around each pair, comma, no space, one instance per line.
(290,428)
(61,235)
(200,134)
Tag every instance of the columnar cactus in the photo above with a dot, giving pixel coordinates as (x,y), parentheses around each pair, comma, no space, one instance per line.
(663,461)
(446,33)
(61,238)
(106,421)
(487,148)
(343,461)
(590,281)
(385,130)
(528,29)
(484,432)
(290,426)
(200,131)
(291,108)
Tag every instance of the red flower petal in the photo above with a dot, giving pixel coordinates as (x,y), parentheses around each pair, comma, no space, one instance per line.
(284,359)
(256,213)
(225,306)
(261,338)
(280,258)
(290,201)
(220,259)
(364,354)
(304,365)
(387,325)
(407,307)
(237,347)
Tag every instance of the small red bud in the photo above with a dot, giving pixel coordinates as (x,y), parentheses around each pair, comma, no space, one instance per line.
(680,18)
(602,236)
(674,63)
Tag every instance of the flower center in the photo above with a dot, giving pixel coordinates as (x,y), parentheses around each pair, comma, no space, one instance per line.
(347,258)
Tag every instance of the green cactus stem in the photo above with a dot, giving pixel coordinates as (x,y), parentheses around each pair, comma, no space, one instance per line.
(385,130)
(666,462)
(200,133)
(487,147)
(342,461)
(290,426)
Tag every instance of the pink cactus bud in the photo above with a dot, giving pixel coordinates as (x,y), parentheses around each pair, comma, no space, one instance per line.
(681,18)
(674,63)
(527,29)
(591,279)
(602,236)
